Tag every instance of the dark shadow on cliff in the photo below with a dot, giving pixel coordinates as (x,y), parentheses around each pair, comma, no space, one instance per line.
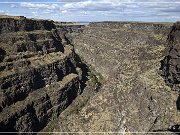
(178,103)
(85,70)
(38,81)
(70,67)
(2,54)
(9,127)
(72,94)
(59,73)
(59,46)
(58,42)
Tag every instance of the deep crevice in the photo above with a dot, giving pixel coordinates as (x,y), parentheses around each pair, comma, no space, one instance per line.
(2,54)
(178,103)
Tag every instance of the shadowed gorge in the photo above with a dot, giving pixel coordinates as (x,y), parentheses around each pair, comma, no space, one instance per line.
(101,77)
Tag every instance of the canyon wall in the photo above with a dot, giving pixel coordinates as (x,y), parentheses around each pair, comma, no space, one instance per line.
(170,64)
(39,74)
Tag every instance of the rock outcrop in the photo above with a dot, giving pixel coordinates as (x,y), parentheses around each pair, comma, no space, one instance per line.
(20,23)
(170,64)
(38,74)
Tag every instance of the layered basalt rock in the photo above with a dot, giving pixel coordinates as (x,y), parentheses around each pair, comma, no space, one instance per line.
(170,64)
(38,76)
(40,106)
(20,23)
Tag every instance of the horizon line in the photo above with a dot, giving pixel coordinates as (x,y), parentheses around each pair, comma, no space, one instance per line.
(83,1)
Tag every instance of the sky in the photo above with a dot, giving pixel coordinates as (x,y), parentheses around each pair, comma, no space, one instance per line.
(94,10)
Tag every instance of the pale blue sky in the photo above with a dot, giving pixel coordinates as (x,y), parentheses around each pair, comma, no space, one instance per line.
(95,10)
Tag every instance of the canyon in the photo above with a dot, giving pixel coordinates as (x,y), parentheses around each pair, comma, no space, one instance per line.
(111,77)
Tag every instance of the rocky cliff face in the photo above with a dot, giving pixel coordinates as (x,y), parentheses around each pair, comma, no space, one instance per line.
(170,64)
(134,97)
(38,74)
(20,23)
